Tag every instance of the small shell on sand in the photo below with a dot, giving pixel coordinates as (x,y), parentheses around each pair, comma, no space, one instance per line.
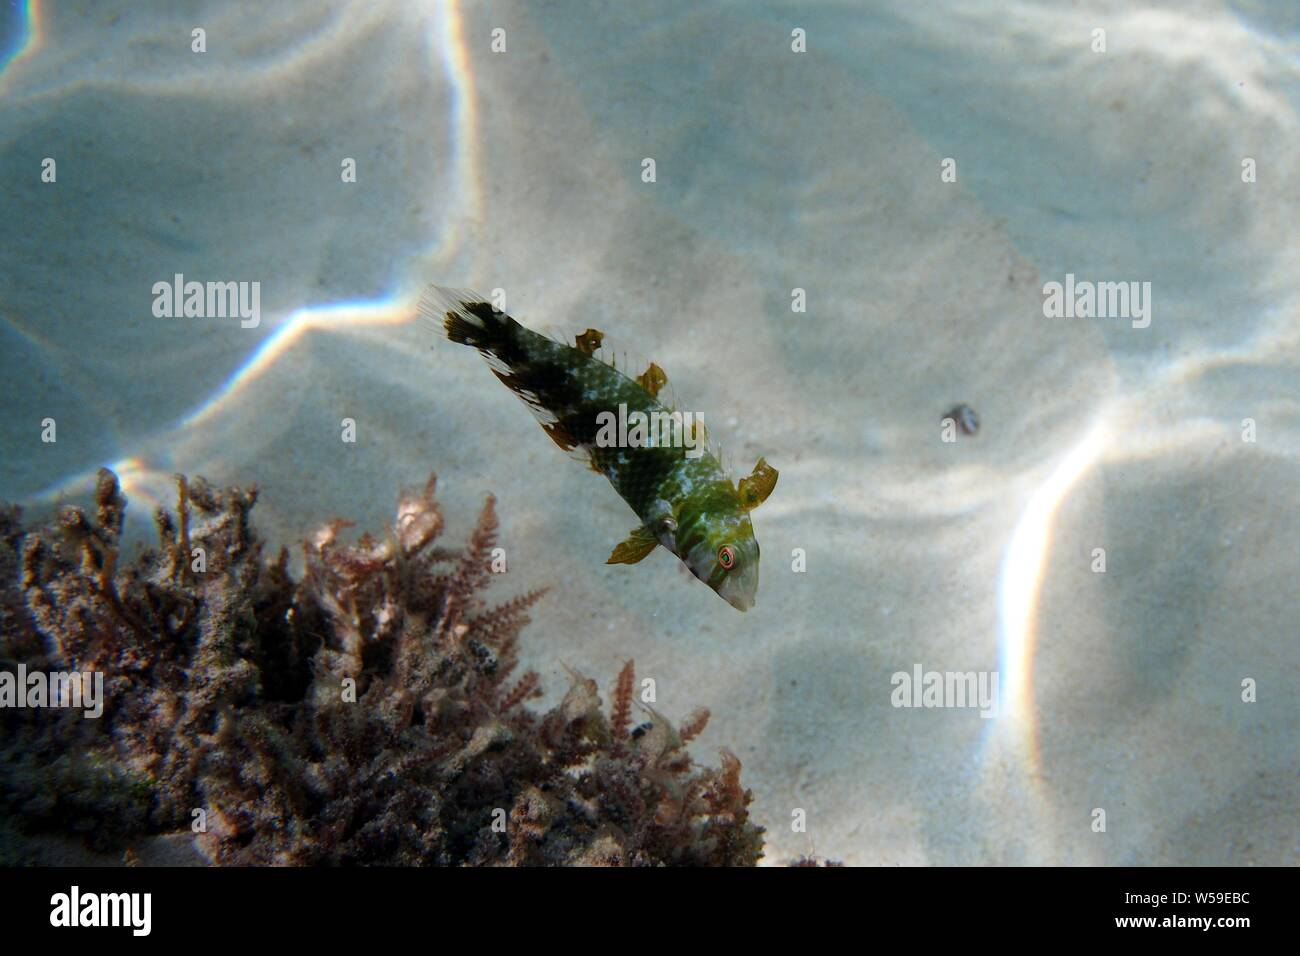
(965,417)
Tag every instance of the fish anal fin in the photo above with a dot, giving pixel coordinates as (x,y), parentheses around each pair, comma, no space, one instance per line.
(545,417)
(754,488)
(559,435)
(652,379)
(588,341)
(638,544)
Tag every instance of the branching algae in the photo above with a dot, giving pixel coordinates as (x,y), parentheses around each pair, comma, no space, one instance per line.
(369,713)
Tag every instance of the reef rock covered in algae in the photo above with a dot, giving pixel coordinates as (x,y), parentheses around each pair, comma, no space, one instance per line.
(368,713)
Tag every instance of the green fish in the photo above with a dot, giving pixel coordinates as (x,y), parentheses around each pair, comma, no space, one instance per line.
(659,460)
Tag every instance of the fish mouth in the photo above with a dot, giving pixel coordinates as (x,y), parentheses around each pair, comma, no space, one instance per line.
(739,601)
(739,591)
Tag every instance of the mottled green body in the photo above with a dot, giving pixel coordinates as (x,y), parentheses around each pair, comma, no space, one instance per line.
(686,502)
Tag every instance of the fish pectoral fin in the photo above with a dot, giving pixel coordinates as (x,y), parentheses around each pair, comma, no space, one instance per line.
(588,341)
(652,379)
(638,544)
(661,521)
(754,488)
(660,517)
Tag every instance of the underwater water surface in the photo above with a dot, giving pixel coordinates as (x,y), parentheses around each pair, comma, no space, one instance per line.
(856,217)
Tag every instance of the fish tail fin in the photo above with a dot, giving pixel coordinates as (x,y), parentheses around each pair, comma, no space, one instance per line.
(465,317)
(510,350)
(465,331)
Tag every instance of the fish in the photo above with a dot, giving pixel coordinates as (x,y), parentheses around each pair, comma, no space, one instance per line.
(660,461)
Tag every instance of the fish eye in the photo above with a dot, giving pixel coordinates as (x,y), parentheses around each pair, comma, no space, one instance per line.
(727,556)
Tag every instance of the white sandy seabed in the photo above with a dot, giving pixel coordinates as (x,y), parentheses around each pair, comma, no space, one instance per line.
(775,170)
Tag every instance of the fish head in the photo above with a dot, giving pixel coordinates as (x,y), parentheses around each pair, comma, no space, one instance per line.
(726,558)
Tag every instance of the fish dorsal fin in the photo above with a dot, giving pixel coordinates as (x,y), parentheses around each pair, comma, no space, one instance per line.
(704,438)
(597,346)
(754,488)
(652,379)
(638,544)
(588,341)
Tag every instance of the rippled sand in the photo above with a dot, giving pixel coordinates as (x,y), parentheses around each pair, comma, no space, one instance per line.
(775,171)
